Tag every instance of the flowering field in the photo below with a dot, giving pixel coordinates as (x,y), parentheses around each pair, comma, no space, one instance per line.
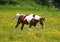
(8,33)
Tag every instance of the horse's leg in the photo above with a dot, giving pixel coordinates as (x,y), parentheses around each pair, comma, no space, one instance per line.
(17,24)
(30,27)
(36,30)
(22,26)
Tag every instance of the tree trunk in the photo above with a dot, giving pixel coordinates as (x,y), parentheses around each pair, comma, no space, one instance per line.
(8,2)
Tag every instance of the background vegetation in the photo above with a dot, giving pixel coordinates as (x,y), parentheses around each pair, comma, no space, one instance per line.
(15,2)
(8,33)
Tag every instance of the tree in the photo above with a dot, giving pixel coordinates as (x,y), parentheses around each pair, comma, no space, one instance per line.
(8,2)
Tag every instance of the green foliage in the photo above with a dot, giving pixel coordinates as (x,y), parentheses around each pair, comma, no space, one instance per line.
(24,2)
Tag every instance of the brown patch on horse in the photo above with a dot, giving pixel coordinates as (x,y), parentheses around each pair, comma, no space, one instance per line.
(34,22)
(42,20)
(20,20)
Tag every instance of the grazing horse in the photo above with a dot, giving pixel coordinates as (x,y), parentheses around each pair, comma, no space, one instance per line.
(31,19)
(34,19)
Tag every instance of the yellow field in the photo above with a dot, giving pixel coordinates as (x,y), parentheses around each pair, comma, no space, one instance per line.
(51,33)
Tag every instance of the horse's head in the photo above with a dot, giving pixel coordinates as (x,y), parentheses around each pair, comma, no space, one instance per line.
(42,20)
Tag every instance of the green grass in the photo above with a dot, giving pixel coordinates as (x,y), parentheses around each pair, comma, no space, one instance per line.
(8,33)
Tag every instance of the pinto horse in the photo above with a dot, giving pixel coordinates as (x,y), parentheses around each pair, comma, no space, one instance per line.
(32,20)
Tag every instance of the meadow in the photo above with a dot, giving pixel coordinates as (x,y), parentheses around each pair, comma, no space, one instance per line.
(8,33)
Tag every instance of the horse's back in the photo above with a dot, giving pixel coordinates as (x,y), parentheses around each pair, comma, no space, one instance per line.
(21,18)
(37,17)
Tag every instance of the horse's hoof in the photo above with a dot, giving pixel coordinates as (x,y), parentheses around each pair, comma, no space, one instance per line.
(29,29)
(21,29)
(36,34)
(15,27)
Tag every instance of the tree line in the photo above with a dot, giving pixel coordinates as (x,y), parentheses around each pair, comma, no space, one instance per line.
(39,2)
(14,2)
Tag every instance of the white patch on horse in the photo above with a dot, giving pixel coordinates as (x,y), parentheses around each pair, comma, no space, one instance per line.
(28,18)
(37,17)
